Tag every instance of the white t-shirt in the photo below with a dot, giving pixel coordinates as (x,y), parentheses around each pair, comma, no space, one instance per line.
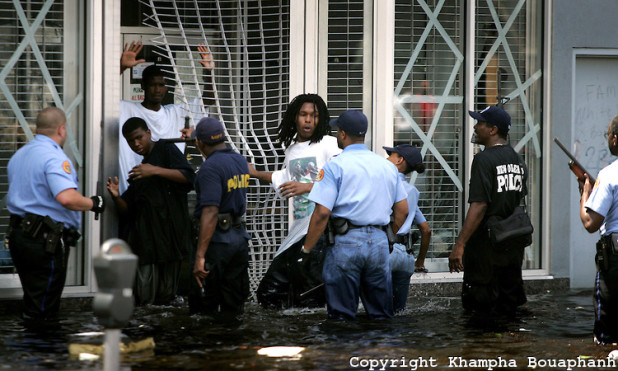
(303,161)
(164,123)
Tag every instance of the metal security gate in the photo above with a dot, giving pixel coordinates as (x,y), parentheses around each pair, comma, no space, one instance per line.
(509,63)
(430,99)
(41,65)
(250,40)
(250,44)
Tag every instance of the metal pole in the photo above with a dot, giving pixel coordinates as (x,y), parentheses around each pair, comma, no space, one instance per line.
(111,355)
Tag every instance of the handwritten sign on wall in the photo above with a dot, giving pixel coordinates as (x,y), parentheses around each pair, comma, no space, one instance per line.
(595,104)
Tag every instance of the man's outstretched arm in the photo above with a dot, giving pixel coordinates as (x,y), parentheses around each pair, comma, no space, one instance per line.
(208,62)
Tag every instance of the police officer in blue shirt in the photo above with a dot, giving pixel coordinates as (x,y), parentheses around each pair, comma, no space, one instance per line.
(599,212)
(408,158)
(359,190)
(45,206)
(222,254)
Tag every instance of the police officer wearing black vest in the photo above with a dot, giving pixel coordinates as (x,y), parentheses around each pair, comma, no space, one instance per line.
(222,253)
(45,206)
(492,282)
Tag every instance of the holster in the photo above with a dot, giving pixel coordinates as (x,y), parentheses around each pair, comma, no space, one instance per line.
(603,251)
(33,226)
(54,234)
(330,233)
(392,238)
(226,221)
(606,247)
(411,240)
(339,225)
(71,236)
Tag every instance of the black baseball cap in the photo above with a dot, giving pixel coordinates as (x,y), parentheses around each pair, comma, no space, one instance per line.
(209,130)
(493,115)
(352,122)
(410,153)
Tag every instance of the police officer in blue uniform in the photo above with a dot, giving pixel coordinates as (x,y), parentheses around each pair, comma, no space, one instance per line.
(45,206)
(599,212)
(407,158)
(359,190)
(222,254)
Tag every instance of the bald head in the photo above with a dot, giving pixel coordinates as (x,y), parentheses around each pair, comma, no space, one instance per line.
(49,120)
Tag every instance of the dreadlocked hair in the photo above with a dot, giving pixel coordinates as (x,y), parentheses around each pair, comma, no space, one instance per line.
(287,129)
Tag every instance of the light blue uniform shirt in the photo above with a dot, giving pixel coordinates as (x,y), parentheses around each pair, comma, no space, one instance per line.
(38,172)
(604,198)
(360,186)
(415,216)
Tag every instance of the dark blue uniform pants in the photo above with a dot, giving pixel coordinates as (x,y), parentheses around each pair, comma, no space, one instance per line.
(606,302)
(42,274)
(226,287)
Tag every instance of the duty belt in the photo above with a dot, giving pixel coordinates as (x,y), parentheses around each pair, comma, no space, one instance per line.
(354,226)
(33,226)
(342,225)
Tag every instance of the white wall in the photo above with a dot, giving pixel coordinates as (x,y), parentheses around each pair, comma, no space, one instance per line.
(572,248)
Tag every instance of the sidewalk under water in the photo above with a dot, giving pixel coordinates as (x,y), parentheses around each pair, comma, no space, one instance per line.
(432,332)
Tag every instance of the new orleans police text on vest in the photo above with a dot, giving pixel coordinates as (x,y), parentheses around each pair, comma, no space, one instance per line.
(509,177)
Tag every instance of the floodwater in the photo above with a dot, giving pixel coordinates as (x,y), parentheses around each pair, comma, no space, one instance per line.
(432,332)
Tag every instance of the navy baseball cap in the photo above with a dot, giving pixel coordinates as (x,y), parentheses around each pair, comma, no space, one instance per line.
(209,130)
(352,122)
(493,115)
(410,153)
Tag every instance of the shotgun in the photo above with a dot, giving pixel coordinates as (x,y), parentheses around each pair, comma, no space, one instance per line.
(574,165)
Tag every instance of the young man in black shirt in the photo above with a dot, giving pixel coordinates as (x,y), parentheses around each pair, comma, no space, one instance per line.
(492,275)
(154,212)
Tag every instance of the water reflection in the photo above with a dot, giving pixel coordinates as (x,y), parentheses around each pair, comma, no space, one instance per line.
(551,326)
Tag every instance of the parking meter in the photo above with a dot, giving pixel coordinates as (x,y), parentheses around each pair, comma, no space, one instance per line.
(114,268)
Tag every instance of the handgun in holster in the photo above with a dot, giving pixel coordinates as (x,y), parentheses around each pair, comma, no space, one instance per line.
(411,240)
(54,234)
(330,233)
(603,248)
(340,226)
(392,238)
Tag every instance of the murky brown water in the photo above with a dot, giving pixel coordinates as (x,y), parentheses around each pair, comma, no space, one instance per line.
(553,326)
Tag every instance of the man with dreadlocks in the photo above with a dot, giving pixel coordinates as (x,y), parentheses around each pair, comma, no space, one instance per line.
(303,133)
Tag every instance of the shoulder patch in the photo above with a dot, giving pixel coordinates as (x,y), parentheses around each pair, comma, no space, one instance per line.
(320,175)
(66,166)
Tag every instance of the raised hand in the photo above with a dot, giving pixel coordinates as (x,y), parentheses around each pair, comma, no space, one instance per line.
(129,55)
(112,186)
(207,60)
